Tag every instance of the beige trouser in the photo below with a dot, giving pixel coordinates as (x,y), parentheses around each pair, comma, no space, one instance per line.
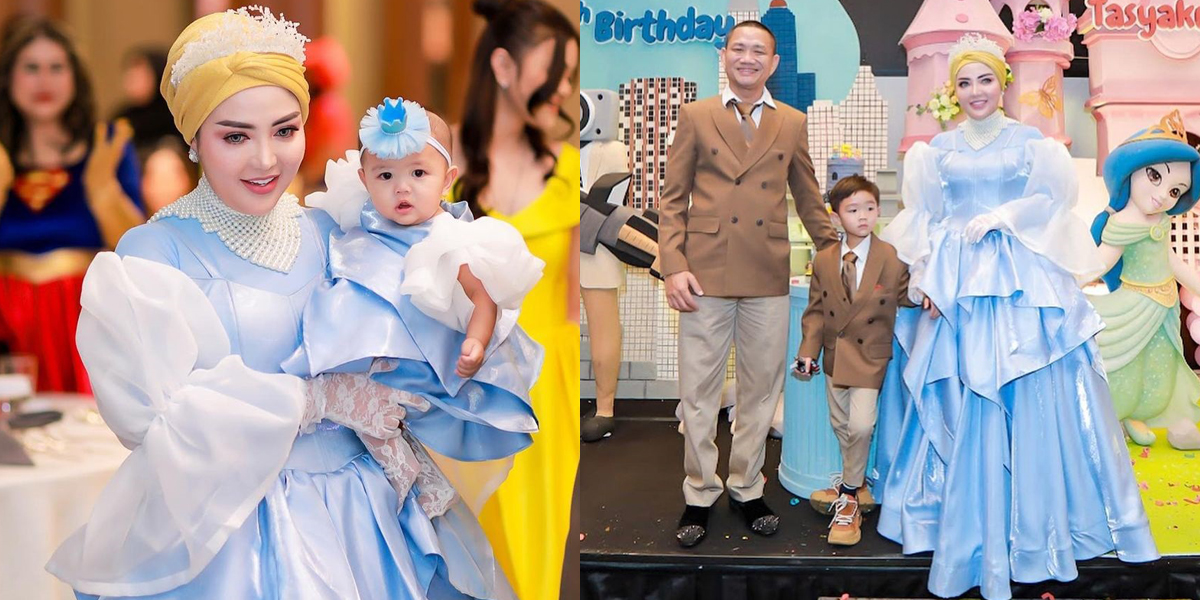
(852,414)
(759,328)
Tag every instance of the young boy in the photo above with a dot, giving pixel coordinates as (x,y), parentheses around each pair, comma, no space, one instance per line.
(856,287)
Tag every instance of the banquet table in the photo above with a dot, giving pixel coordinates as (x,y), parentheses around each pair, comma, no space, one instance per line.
(41,505)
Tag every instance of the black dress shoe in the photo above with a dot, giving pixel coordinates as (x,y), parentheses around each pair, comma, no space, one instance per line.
(596,428)
(757,515)
(693,525)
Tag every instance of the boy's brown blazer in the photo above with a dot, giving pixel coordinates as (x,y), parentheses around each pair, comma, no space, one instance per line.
(856,337)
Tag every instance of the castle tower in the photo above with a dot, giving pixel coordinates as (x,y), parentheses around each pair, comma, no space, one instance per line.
(1035,96)
(1134,82)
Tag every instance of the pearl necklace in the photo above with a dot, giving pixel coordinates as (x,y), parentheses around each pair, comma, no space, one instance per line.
(984,131)
(271,241)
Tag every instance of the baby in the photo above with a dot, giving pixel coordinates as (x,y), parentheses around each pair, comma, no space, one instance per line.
(407,188)
(425,298)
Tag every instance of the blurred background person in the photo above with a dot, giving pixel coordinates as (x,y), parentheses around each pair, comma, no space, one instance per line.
(167,174)
(69,187)
(517,168)
(332,127)
(143,106)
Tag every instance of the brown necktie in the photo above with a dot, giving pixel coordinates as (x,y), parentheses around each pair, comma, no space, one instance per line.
(748,127)
(850,274)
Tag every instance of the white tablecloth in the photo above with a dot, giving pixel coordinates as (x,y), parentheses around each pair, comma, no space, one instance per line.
(40,506)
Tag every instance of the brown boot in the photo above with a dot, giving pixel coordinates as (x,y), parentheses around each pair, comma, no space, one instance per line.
(846,527)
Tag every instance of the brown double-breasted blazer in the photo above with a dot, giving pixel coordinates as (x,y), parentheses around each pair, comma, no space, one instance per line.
(856,337)
(734,237)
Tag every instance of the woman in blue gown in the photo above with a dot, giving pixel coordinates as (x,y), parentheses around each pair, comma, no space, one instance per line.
(999,449)
(243,481)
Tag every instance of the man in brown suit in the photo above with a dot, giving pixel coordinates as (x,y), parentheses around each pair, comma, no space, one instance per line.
(852,299)
(726,262)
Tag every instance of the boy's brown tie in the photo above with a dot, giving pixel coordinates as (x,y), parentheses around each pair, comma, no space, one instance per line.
(850,274)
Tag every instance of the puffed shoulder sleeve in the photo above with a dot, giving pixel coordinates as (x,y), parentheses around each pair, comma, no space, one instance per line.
(1042,218)
(909,231)
(208,434)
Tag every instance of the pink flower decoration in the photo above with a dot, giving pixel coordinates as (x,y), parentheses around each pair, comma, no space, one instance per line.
(1060,28)
(1025,25)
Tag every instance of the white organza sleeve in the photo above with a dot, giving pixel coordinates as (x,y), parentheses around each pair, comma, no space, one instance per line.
(909,231)
(493,250)
(209,435)
(1042,218)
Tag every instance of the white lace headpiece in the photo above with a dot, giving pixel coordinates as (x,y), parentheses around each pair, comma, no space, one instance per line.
(975,41)
(261,32)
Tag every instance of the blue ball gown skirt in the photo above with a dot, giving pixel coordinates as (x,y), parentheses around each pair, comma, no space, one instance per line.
(332,528)
(999,449)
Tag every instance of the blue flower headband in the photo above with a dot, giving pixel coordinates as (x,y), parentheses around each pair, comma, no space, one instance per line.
(396,129)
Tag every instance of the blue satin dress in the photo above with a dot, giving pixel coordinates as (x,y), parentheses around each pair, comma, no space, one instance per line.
(332,526)
(998,447)
(485,417)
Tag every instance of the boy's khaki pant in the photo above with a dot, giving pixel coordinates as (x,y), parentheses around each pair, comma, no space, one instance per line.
(852,414)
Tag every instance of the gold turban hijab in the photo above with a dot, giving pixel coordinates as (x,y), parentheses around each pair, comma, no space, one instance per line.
(207,85)
(991,61)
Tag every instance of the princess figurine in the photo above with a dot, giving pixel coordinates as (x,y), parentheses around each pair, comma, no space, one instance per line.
(1149,177)
(418,283)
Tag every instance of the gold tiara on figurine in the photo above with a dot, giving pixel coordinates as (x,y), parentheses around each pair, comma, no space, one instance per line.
(1169,128)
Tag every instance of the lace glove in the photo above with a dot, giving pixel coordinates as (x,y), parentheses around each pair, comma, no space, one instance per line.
(355,401)
(397,459)
(405,463)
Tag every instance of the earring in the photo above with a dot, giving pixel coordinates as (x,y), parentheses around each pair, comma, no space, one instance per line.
(192,156)
(504,85)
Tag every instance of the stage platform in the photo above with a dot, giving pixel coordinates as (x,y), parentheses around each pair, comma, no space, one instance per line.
(631,499)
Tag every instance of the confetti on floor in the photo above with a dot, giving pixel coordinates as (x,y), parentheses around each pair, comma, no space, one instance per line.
(794,501)
(1167,481)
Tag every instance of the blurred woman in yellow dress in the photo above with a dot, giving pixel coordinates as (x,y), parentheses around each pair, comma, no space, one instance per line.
(525,67)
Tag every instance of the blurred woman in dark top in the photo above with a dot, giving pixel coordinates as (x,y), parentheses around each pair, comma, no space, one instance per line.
(144,107)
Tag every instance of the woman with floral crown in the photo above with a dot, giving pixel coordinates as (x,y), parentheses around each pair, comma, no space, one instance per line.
(244,481)
(999,449)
